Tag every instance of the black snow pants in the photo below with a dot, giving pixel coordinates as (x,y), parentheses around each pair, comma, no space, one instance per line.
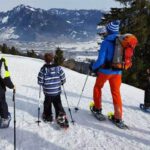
(56,101)
(3,105)
(147,96)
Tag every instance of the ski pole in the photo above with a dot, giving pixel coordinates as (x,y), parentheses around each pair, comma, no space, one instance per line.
(77,107)
(38,121)
(14,91)
(68,106)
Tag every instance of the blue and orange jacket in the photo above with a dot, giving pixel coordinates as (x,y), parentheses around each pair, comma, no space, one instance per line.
(51,77)
(106,54)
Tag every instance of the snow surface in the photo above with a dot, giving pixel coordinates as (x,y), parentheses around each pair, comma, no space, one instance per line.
(87,133)
(18,8)
(80,46)
(68,21)
(85,58)
(5,19)
(30,8)
(7,34)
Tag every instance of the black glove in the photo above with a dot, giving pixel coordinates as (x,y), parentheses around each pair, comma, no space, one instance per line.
(3,59)
(91,65)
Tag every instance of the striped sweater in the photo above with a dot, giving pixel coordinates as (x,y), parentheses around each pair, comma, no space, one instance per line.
(51,77)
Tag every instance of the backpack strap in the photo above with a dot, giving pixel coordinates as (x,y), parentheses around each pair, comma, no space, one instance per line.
(123,58)
(45,66)
(49,66)
(108,64)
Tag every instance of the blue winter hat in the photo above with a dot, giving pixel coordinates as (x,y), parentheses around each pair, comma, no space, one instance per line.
(113,27)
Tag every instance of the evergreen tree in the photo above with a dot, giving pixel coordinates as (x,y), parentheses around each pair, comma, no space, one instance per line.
(59,58)
(5,49)
(0,48)
(135,19)
(14,51)
(31,54)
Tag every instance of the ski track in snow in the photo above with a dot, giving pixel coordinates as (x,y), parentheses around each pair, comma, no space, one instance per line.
(87,133)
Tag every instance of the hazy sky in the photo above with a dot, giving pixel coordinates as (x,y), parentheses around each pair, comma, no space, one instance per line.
(69,4)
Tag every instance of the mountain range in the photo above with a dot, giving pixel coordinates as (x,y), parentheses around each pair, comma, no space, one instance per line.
(25,23)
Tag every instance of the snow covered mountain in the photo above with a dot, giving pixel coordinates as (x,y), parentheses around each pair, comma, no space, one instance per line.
(25,23)
(87,133)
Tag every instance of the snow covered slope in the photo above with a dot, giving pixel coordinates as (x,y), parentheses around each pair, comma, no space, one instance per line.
(88,133)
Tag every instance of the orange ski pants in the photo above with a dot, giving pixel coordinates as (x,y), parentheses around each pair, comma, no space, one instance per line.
(115,83)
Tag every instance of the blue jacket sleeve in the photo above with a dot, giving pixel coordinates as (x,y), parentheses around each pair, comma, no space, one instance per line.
(101,57)
(41,77)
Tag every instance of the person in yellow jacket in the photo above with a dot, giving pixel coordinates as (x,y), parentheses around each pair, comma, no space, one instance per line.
(5,81)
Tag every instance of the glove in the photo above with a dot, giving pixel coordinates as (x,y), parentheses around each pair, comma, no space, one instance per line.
(90,66)
(3,59)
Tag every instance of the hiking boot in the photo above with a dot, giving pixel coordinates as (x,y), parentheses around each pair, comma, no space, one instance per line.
(97,113)
(47,118)
(62,120)
(4,123)
(95,110)
(147,105)
(118,121)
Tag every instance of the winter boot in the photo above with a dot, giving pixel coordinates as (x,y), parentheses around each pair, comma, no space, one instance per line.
(97,112)
(118,122)
(147,105)
(62,120)
(4,123)
(47,118)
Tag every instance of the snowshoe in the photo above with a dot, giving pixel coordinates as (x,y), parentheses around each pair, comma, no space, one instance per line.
(96,112)
(62,120)
(4,123)
(47,118)
(144,108)
(118,122)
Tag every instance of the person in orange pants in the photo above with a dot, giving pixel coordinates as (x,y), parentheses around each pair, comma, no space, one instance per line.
(115,82)
(105,72)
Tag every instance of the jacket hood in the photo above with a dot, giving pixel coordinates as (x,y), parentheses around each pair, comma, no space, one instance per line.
(111,37)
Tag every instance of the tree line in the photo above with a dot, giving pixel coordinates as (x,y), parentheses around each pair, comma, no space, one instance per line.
(58,58)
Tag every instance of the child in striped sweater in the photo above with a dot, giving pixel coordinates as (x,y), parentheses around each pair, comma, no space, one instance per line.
(51,77)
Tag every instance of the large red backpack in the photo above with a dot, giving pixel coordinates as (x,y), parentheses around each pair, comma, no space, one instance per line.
(124,51)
